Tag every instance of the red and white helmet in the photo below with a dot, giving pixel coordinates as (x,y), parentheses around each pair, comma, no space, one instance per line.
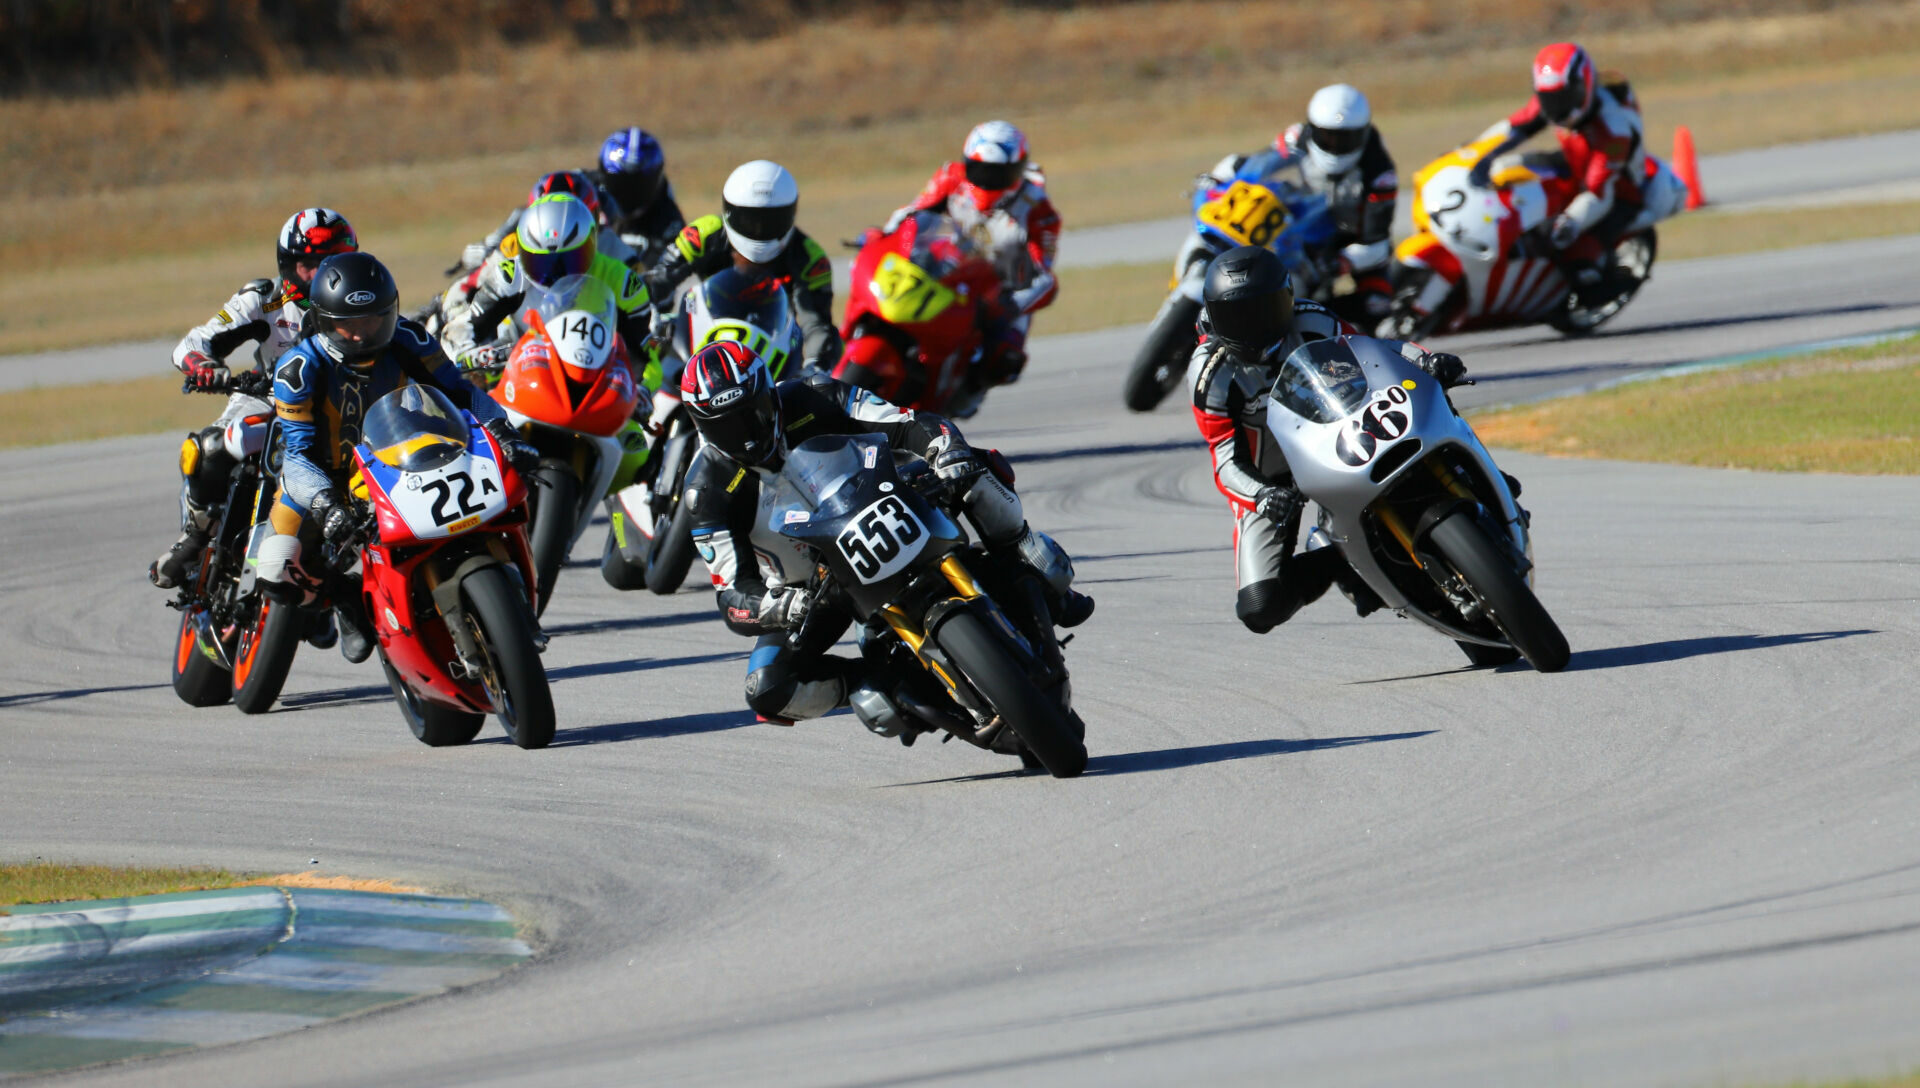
(995,158)
(1564,81)
(729,393)
(310,236)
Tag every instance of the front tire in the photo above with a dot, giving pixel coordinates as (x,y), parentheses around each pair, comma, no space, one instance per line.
(553,520)
(265,655)
(1161,363)
(1046,728)
(517,680)
(671,554)
(435,724)
(197,679)
(1500,589)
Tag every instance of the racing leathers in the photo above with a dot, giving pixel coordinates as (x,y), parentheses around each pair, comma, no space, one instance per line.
(756,572)
(1605,156)
(1231,384)
(471,335)
(1362,200)
(649,230)
(702,249)
(1020,233)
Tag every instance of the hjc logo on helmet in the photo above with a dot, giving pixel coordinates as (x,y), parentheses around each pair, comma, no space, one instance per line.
(360,298)
(728,396)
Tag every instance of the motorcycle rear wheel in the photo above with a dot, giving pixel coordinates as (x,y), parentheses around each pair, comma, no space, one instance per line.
(1634,255)
(1042,724)
(671,554)
(518,681)
(197,679)
(1161,363)
(435,724)
(553,520)
(265,654)
(1501,591)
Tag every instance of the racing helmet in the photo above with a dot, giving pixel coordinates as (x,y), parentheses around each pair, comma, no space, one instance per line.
(355,305)
(995,159)
(1563,82)
(1249,298)
(309,236)
(635,168)
(572,182)
(729,393)
(557,237)
(758,205)
(1339,120)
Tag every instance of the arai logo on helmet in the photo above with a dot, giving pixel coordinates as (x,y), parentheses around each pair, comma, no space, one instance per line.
(360,298)
(728,396)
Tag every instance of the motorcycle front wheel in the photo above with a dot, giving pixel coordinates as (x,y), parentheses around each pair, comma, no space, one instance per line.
(264,655)
(1500,590)
(197,679)
(515,678)
(553,519)
(436,725)
(1045,727)
(615,570)
(1161,364)
(670,556)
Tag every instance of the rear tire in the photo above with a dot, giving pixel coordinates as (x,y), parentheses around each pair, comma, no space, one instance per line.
(553,521)
(1161,364)
(1508,600)
(197,679)
(672,551)
(264,655)
(435,724)
(524,701)
(1041,723)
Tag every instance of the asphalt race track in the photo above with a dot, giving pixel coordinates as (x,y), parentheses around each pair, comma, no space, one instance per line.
(1331,855)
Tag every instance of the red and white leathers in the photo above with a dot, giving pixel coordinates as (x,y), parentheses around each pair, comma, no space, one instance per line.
(1606,160)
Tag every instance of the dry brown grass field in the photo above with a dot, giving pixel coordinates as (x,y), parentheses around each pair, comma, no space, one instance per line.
(134,215)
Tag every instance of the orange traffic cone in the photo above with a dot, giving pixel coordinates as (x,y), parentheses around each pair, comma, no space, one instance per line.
(1688,167)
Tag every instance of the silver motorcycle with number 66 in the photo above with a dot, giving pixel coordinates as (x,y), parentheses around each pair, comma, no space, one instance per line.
(1411,498)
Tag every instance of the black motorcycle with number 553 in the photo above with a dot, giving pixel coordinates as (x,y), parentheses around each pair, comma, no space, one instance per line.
(883,545)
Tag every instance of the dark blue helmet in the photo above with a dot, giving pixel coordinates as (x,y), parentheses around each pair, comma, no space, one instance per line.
(635,168)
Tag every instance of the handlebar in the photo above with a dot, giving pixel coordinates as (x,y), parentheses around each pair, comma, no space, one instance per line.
(253,383)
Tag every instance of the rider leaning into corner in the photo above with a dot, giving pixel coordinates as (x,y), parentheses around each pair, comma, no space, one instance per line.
(1250,324)
(359,351)
(1341,155)
(995,192)
(755,230)
(749,423)
(1597,120)
(270,311)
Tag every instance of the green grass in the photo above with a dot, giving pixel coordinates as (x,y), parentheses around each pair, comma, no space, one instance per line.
(1852,411)
(44,415)
(52,882)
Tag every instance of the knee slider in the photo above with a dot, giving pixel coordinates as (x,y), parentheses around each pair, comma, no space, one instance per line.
(1265,605)
(769,690)
(1049,559)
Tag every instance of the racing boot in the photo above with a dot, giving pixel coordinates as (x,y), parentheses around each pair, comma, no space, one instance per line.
(1050,561)
(356,634)
(321,632)
(170,569)
(1348,581)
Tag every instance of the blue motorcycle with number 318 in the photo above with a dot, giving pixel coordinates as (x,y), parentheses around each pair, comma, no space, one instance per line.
(1260,205)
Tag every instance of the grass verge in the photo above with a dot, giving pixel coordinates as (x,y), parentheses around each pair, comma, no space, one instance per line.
(1718,234)
(44,415)
(1855,410)
(53,882)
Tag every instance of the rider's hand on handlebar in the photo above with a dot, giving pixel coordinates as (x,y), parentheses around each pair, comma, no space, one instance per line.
(958,466)
(335,518)
(1481,175)
(486,356)
(1277,504)
(523,457)
(784,608)
(1446,368)
(205,375)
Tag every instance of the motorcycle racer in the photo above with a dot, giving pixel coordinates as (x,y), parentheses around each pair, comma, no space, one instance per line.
(1339,153)
(1599,127)
(359,351)
(633,172)
(1250,324)
(572,182)
(755,228)
(994,191)
(748,423)
(271,312)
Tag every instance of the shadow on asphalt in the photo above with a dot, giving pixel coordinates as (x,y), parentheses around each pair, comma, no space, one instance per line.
(1708,323)
(335,697)
(1108,451)
(1652,653)
(1167,759)
(615,732)
(626,623)
(28,698)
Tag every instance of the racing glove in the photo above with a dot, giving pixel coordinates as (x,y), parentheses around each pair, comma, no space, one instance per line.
(1446,368)
(522,457)
(1481,174)
(957,464)
(205,375)
(1565,232)
(333,517)
(486,356)
(784,608)
(1277,504)
(898,217)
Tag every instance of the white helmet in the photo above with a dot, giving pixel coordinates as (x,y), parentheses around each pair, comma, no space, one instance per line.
(1338,124)
(757,204)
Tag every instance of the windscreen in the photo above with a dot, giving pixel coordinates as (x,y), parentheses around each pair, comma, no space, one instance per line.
(415,428)
(819,467)
(760,301)
(571,293)
(1322,381)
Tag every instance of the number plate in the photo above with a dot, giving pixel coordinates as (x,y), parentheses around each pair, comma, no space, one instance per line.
(904,293)
(881,539)
(1248,214)
(451,499)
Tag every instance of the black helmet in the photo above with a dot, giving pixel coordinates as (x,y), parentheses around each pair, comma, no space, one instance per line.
(355,306)
(1249,298)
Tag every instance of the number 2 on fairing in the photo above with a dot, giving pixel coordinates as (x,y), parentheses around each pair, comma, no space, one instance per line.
(882,538)
(444,495)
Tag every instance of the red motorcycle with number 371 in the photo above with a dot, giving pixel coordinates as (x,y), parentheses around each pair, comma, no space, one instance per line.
(448,575)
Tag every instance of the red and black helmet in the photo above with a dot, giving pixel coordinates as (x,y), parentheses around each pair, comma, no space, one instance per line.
(311,236)
(569,181)
(728,391)
(1564,81)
